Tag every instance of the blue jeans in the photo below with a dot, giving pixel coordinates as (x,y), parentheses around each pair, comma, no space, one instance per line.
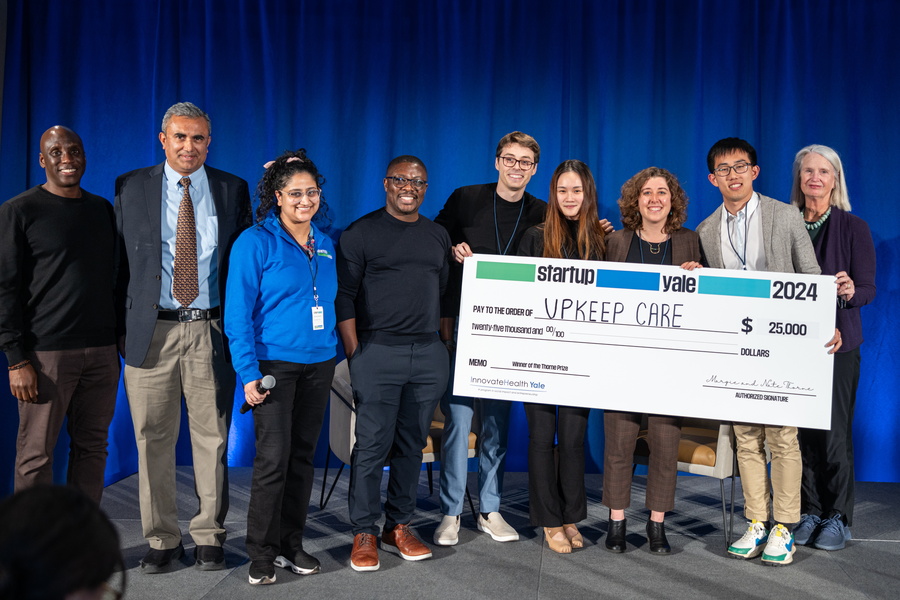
(492,442)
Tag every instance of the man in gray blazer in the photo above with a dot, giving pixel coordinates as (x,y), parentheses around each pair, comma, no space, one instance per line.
(752,232)
(177,222)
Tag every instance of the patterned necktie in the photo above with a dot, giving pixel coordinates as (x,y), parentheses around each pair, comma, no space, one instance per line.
(184,276)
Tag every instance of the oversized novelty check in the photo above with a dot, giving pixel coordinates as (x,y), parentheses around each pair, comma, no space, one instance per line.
(710,343)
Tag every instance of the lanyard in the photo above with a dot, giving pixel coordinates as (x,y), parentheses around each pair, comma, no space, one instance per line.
(741,256)
(515,228)
(311,258)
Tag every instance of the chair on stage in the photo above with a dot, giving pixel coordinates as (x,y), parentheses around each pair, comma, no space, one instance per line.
(342,434)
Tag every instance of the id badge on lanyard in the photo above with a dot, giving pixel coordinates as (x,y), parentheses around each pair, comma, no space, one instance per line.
(318,313)
(318,318)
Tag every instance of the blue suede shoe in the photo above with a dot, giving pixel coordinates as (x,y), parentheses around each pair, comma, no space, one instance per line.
(833,534)
(807,530)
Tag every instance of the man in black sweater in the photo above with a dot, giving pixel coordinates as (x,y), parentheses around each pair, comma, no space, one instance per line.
(392,270)
(57,317)
(487,219)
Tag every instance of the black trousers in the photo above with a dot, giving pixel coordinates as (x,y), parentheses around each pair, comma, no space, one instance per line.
(287,429)
(396,389)
(828,473)
(556,464)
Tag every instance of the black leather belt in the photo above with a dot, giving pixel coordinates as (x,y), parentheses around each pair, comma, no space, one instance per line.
(186,315)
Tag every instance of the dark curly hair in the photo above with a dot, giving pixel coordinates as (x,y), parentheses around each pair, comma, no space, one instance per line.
(631,194)
(277,177)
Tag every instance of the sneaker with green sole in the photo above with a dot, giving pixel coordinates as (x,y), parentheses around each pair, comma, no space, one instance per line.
(751,543)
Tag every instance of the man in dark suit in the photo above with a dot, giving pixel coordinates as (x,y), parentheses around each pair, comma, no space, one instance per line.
(177,221)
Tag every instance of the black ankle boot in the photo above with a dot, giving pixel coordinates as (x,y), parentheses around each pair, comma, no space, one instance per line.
(656,535)
(615,536)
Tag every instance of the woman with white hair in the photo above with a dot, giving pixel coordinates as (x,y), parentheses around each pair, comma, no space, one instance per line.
(844,248)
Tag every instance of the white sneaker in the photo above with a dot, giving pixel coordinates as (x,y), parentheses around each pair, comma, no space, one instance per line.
(780,548)
(496,527)
(751,543)
(447,533)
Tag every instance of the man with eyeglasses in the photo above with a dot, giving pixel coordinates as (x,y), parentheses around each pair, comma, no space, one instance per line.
(752,232)
(487,219)
(392,271)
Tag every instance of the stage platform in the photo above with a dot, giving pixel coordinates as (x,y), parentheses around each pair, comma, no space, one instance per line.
(478,567)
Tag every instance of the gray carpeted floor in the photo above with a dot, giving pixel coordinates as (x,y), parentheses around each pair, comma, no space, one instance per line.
(478,567)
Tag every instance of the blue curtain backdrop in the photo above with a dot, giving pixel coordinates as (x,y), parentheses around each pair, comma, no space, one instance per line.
(619,84)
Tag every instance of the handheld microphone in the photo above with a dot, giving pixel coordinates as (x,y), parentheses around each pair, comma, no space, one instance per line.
(262,386)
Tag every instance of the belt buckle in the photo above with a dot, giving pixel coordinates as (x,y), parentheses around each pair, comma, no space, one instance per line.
(186,315)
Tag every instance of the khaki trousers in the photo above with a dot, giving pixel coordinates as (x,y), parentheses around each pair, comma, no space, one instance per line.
(184,359)
(786,471)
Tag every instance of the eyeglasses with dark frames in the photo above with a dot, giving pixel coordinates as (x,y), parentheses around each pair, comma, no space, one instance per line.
(401,182)
(740,168)
(510,161)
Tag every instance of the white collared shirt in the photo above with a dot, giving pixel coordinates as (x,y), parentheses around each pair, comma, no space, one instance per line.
(754,255)
(207,237)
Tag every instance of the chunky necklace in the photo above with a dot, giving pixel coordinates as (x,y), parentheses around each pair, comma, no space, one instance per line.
(310,246)
(813,226)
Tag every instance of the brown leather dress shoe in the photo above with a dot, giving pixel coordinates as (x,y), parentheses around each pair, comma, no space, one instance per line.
(400,540)
(364,556)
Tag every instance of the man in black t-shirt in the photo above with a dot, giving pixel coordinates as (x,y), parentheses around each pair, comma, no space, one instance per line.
(485,219)
(57,317)
(392,271)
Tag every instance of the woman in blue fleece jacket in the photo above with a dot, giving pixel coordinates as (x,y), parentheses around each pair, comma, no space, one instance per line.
(279,319)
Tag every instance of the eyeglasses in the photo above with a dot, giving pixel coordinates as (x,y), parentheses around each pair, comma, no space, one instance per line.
(509,161)
(295,196)
(739,168)
(401,182)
